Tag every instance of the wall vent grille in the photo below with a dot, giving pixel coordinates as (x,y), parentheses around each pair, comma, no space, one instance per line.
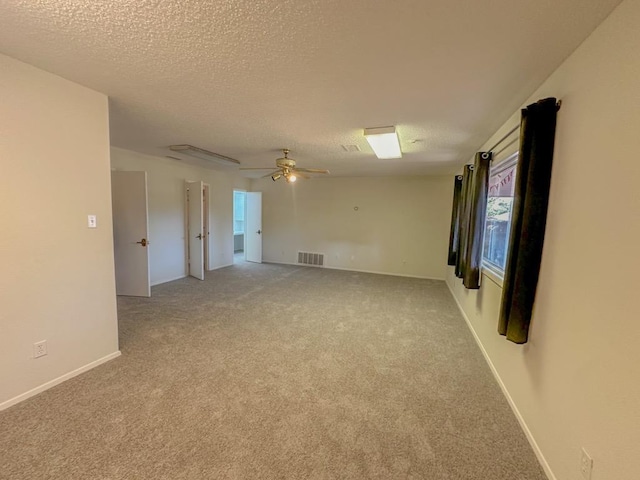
(351,148)
(313,259)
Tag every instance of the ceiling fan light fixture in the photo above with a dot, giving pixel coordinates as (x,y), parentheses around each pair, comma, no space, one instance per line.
(384,142)
(286,168)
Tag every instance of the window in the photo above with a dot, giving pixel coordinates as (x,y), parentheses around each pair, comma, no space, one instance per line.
(498,219)
(238,212)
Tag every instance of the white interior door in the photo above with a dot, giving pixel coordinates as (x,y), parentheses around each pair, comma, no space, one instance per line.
(205,227)
(253,231)
(131,233)
(196,234)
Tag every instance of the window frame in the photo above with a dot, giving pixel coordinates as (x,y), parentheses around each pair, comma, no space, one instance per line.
(488,268)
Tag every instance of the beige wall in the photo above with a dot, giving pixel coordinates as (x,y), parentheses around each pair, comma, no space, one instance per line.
(57,281)
(577,382)
(165,184)
(401,226)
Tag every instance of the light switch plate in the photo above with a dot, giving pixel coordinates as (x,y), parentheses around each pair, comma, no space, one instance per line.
(92,221)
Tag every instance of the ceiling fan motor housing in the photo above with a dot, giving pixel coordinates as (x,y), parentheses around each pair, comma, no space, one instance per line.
(285,163)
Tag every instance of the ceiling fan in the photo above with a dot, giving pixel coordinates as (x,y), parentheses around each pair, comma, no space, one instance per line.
(286,168)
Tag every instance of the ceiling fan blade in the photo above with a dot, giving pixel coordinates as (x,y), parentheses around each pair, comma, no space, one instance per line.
(272,173)
(297,173)
(312,170)
(255,168)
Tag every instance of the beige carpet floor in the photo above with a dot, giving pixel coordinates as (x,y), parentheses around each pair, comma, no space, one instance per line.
(277,372)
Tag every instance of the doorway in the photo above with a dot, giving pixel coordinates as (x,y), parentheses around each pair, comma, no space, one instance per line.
(253,228)
(239,225)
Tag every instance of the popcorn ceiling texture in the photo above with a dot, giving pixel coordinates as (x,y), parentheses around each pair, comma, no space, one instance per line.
(246,78)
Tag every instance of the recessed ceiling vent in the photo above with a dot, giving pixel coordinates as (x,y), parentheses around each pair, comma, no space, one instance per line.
(312,259)
(351,148)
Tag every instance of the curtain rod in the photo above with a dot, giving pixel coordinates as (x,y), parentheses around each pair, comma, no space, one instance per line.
(507,135)
(558,105)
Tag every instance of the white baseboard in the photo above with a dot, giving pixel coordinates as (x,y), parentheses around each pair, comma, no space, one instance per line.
(180,277)
(220,266)
(160,282)
(328,267)
(57,381)
(523,424)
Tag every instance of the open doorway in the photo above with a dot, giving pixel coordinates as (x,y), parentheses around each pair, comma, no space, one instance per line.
(239,225)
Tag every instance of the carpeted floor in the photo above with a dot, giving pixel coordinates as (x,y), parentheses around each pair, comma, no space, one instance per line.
(274,371)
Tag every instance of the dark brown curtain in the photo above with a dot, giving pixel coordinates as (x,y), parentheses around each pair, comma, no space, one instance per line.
(455,221)
(528,220)
(465,201)
(477,213)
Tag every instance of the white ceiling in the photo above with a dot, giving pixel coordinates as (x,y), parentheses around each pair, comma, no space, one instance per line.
(245,78)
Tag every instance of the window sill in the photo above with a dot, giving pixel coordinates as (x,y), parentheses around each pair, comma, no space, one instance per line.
(493,276)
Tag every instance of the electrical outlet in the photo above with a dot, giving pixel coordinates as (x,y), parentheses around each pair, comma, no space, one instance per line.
(40,349)
(586,465)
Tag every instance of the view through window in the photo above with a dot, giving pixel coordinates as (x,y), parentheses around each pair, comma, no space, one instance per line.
(498,219)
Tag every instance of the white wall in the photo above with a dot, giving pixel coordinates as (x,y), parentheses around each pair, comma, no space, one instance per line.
(401,226)
(57,281)
(165,184)
(577,382)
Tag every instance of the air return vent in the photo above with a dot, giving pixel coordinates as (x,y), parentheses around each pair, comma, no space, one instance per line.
(351,148)
(313,259)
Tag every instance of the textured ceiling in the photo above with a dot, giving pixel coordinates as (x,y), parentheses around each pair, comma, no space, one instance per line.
(246,78)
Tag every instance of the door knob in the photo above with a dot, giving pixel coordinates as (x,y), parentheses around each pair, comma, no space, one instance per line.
(143,242)
(259,232)
(199,236)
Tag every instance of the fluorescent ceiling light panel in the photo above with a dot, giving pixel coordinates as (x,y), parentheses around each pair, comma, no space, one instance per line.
(384,142)
(203,154)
